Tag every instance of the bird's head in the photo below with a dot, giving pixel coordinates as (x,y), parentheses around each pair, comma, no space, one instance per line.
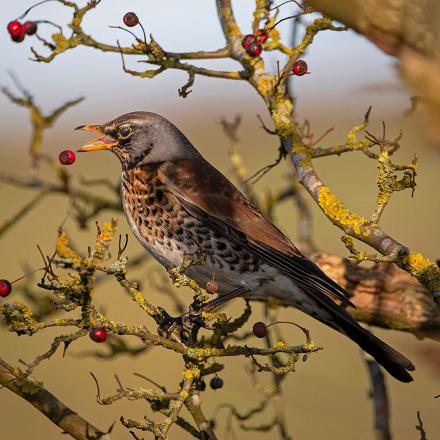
(140,138)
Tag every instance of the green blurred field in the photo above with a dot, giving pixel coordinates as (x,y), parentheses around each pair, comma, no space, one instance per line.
(327,397)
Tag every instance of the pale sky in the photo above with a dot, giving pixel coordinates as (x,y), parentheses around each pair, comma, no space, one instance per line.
(340,63)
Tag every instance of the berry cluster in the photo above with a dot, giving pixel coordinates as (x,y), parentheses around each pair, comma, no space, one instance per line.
(254,43)
(18,31)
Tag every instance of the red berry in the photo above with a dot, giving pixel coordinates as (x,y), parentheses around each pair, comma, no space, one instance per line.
(216,383)
(262,35)
(15,28)
(254,49)
(5,288)
(67,157)
(247,40)
(300,68)
(98,334)
(30,28)
(18,38)
(259,329)
(131,19)
(211,286)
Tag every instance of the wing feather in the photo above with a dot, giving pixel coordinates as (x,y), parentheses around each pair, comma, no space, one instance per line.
(213,199)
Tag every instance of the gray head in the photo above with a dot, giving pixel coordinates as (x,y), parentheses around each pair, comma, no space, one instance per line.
(140,138)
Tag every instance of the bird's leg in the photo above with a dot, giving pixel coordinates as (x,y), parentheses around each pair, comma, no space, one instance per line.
(220,300)
(184,328)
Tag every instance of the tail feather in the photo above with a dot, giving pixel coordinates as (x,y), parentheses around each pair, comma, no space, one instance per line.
(394,362)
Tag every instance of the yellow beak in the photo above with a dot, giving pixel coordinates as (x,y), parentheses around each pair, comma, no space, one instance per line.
(99,143)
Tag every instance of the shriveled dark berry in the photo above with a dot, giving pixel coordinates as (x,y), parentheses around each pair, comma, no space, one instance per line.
(300,68)
(254,49)
(98,334)
(201,385)
(67,157)
(5,288)
(30,28)
(15,28)
(131,19)
(259,329)
(212,286)
(262,35)
(216,383)
(248,40)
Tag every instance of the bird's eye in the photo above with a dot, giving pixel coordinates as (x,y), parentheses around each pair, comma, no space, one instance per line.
(125,131)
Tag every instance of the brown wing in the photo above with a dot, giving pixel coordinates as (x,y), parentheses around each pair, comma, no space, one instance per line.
(199,183)
(206,194)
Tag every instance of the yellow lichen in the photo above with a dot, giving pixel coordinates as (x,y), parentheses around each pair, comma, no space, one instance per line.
(425,270)
(417,262)
(191,373)
(184,394)
(339,214)
(280,345)
(309,345)
(63,249)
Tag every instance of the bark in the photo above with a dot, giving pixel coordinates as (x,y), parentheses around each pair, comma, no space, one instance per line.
(385,296)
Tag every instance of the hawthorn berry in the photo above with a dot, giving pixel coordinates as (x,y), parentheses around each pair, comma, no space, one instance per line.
(216,383)
(211,286)
(67,157)
(131,19)
(15,28)
(5,288)
(30,28)
(98,334)
(259,329)
(262,35)
(248,40)
(18,38)
(254,49)
(300,68)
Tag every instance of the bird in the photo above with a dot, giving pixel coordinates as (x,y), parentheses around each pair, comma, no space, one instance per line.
(178,204)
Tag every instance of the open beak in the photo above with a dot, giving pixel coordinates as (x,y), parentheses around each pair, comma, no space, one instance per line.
(99,143)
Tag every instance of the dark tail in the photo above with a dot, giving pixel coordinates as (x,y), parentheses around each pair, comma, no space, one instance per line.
(395,363)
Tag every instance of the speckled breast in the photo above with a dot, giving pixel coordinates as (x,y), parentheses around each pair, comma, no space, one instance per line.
(170,233)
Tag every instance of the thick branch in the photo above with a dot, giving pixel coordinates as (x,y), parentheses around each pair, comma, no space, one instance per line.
(49,405)
(385,296)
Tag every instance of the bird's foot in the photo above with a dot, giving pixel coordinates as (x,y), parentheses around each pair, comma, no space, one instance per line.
(182,329)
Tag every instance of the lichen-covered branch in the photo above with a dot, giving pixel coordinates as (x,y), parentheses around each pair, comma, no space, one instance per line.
(69,277)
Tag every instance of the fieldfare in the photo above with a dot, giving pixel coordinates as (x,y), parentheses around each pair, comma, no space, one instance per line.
(177,204)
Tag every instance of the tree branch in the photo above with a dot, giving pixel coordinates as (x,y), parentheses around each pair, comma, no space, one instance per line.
(49,405)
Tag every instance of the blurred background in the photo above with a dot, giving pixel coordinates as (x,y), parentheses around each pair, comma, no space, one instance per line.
(327,397)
